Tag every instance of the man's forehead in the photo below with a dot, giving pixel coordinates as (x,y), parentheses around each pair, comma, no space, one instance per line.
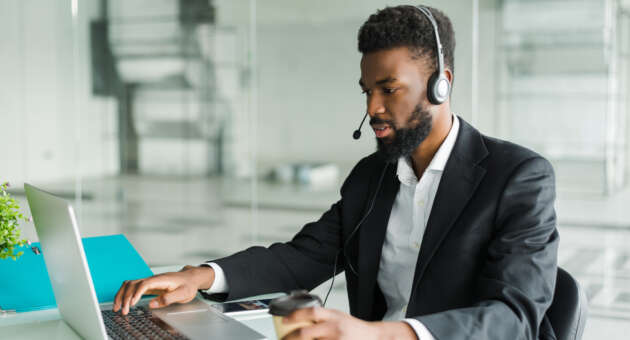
(392,64)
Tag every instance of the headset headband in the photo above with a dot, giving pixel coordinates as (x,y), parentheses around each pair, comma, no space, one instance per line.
(440,56)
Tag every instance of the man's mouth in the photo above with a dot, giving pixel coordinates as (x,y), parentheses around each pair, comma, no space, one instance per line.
(381,130)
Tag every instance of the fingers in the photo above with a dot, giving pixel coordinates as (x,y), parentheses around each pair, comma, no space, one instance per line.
(315,314)
(179,295)
(130,292)
(119,299)
(141,288)
(155,291)
(324,330)
(171,287)
(119,295)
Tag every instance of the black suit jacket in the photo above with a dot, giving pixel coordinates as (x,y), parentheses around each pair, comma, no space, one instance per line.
(487,263)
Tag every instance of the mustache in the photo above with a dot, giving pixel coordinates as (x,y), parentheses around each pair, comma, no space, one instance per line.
(376,120)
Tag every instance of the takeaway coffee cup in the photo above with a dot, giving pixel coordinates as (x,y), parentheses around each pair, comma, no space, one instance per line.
(286,305)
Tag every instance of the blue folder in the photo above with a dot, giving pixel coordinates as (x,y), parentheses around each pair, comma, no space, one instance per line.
(25,286)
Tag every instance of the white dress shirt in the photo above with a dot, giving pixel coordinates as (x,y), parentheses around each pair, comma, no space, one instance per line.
(405,230)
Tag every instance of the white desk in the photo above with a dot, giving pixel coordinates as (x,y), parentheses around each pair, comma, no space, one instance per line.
(47,324)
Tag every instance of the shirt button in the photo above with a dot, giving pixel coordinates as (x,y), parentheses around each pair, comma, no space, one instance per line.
(421,203)
(416,245)
(404,310)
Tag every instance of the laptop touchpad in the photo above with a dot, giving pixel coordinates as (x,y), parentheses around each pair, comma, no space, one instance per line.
(194,312)
(210,324)
(194,318)
(191,307)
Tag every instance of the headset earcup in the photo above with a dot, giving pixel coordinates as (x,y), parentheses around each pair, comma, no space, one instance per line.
(438,88)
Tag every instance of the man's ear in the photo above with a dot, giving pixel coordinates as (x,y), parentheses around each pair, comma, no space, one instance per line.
(449,75)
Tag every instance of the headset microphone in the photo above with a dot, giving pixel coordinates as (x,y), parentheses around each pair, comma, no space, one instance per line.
(357,132)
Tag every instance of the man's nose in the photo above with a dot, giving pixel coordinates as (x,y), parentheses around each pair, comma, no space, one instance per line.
(375,105)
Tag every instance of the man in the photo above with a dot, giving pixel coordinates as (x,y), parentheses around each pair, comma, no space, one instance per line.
(443,233)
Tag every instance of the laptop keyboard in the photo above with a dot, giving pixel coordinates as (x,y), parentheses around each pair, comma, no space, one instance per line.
(140,323)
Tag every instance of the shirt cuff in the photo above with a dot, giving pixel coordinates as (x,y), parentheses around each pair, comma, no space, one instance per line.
(421,330)
(219,285)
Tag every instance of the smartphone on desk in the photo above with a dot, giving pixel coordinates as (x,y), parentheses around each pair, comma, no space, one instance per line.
(243,307)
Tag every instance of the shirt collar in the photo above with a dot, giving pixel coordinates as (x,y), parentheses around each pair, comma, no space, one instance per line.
(405,171)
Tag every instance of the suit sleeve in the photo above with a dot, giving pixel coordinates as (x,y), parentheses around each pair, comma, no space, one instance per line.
(302,263)
(518,278)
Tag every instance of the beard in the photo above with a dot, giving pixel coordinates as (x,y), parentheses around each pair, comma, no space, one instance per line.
(406,139)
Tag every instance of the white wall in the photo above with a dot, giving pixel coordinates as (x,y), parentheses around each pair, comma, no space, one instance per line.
(308,70)
(47,135)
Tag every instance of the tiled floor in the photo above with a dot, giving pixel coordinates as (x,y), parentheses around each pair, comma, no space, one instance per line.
(188,221)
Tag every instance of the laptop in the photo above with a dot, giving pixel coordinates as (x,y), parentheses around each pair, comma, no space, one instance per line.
(58,232)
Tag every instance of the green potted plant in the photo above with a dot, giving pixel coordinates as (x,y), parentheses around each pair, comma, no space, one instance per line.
(10,218)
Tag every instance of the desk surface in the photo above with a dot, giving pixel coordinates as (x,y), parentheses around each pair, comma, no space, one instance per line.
(47,324)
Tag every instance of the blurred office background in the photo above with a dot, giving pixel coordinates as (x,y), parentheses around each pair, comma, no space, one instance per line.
(200,127)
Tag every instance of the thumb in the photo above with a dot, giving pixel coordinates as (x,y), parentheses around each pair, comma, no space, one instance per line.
(177,295)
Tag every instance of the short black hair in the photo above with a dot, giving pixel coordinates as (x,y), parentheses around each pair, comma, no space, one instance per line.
(405,25)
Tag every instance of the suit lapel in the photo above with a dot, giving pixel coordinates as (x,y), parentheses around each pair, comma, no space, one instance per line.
(460,179)
(371,238)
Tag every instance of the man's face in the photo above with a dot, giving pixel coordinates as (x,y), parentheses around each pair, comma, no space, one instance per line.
(395,89)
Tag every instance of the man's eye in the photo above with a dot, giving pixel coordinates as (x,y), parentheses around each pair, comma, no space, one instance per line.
(389,91)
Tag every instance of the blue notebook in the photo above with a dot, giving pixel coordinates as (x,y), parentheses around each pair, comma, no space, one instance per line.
(24,284)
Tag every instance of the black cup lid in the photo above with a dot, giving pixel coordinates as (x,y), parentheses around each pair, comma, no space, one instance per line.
(297,299)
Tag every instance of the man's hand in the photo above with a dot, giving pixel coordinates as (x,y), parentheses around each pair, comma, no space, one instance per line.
(333,324)
(174,287)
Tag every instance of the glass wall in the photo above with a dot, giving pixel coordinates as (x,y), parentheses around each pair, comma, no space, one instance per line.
(199,128)
(561,87)
(557,83)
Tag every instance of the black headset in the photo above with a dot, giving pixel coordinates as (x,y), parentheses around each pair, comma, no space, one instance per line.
(438,86)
